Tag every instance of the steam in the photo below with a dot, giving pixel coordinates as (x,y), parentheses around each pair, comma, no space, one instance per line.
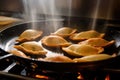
(55,9)
(29,10)
(95,14)
(106,15)
(69,11)
(42,10)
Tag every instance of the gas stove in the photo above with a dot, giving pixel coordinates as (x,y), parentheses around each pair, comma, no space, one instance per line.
(97,15)
(10,69)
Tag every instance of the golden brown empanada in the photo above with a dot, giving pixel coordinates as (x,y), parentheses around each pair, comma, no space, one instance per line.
(54,41)
(86,35)
(97,42)
(82,50)
(58,58)
(31,47)
(28,35)
(65,31)
(18,53)
(96,57)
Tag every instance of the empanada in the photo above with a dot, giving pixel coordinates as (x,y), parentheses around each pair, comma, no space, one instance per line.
(96,57)
(86,35)
(58,58)
(65,31)
(28,35)
(82,50)
(18,53)
(54,41)
(97,42)
(31,47)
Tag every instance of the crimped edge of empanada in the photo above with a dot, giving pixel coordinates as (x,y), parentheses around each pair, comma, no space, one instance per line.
(81,39)
(27,39)
(43,40)
(65,35)
(19,47)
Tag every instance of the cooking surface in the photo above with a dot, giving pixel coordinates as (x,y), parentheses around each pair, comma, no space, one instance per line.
(108,69)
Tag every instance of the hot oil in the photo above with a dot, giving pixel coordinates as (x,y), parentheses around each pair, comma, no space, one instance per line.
(42,10)
(93,25)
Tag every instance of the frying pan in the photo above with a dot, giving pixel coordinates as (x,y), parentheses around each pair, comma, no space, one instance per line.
(8,36)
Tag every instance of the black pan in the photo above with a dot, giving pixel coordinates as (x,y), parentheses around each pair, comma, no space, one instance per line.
(8,36)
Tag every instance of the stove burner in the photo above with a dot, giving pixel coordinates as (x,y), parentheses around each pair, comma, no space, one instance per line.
(14,70)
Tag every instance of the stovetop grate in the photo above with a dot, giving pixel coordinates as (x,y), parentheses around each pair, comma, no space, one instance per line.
(9,69)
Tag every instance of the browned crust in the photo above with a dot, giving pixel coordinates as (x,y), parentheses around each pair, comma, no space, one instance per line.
(44,41)
(65,35)
(30,39)
(19,47)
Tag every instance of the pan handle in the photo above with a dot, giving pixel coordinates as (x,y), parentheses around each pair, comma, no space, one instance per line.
(4,54)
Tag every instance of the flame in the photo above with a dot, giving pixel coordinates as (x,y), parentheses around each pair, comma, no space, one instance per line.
(79,76)
(107,77)
(41,77)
